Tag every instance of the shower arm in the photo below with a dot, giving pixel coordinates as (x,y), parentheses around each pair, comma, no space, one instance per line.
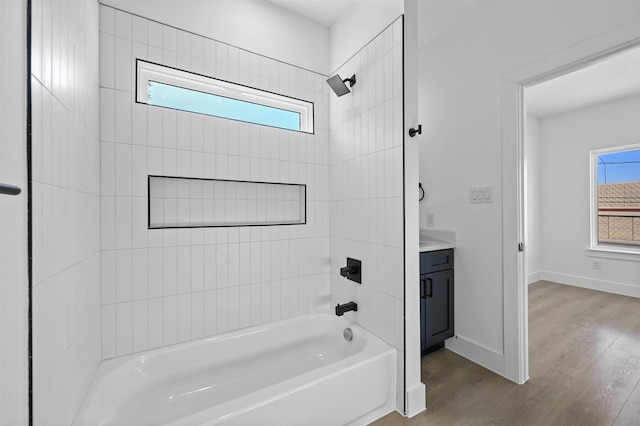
(351,80)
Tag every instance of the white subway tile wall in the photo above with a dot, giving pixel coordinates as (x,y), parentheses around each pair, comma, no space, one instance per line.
(366,192)
(66,206)
(182,203)
(164,286)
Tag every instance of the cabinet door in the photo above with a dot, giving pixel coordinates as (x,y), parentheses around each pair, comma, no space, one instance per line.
(423,312)
(438,306)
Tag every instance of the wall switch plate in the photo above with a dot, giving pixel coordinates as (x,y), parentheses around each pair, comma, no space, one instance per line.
(481,195)
(431,221)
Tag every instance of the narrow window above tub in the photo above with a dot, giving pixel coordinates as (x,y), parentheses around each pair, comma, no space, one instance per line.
(172,88)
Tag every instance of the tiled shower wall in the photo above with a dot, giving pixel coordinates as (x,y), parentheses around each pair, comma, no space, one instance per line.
(164,286)
(65,162)
(366,175)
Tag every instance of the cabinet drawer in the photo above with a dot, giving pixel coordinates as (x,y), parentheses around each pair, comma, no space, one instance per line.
(434,261)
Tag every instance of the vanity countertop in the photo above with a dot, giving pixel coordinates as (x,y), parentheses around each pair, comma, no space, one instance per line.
(432,239)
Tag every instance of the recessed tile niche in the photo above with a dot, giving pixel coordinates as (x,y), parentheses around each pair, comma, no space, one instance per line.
(179,202)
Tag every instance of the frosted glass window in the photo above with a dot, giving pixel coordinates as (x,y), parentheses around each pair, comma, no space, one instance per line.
(171,88)
(183,99)
(176,202)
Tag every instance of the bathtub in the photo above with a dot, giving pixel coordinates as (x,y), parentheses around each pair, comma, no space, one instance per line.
(300,371)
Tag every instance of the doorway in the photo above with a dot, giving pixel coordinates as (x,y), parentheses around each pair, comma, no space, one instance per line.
(515,298)
(567,119)
(14,281)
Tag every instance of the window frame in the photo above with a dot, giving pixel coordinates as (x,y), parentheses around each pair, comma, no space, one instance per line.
(597,249)
(149,71)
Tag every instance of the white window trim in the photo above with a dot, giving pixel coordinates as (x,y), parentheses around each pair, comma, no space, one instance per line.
(595,249)
(147,71)
(614,252)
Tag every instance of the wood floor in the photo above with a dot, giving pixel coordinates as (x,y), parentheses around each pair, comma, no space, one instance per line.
(584,368)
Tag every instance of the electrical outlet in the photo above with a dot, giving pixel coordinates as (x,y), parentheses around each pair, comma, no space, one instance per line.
(431,221)
(596,264)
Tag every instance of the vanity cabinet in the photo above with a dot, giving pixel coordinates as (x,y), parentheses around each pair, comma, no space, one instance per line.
(436,298)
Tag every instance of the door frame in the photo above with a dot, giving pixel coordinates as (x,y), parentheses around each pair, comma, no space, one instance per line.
(515,297)
(15,368)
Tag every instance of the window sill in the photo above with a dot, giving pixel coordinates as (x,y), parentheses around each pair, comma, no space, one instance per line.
(615,252)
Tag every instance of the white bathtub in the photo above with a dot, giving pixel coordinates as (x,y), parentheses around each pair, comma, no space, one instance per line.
(299,371)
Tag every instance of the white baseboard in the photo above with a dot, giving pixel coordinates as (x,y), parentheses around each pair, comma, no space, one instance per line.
(416,397)
(478,353)
(533,277)
(593,284)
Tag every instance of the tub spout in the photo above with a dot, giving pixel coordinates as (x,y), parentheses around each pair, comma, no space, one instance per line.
(341,309)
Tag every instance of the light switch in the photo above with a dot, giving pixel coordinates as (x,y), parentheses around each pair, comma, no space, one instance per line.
(481,195)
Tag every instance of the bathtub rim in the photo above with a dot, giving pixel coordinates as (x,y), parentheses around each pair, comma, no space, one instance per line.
(111,364)
(373,344)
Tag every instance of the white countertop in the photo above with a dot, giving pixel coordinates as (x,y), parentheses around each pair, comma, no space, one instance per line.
(432,239)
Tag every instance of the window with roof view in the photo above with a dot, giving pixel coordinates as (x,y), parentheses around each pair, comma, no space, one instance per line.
(616,200)
(171,88)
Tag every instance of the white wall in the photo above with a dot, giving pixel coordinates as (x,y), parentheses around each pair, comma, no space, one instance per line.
(460,89)
(532,176)
(359,24)
(13,215)
(254,25)
(415,391)
(566,141)
(164,286)
(66,206)
(367,191)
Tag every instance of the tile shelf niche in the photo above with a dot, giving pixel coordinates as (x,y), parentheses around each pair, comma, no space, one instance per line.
(183,202)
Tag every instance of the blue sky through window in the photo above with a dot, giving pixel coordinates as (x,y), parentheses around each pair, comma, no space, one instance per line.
(168,96)
(619,167)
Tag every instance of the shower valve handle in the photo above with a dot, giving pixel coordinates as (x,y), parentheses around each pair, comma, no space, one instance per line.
(353,270)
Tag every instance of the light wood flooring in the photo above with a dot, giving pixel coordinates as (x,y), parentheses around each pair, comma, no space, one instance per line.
(584,368)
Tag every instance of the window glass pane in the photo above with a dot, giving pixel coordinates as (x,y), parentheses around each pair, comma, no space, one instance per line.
(619,167)
(168,96)
(619,198)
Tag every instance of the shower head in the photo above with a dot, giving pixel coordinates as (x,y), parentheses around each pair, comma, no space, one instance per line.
(338,84)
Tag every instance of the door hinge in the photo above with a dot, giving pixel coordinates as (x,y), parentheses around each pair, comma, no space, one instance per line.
(520,246)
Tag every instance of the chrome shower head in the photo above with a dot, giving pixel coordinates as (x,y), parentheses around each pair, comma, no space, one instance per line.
(338,84)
